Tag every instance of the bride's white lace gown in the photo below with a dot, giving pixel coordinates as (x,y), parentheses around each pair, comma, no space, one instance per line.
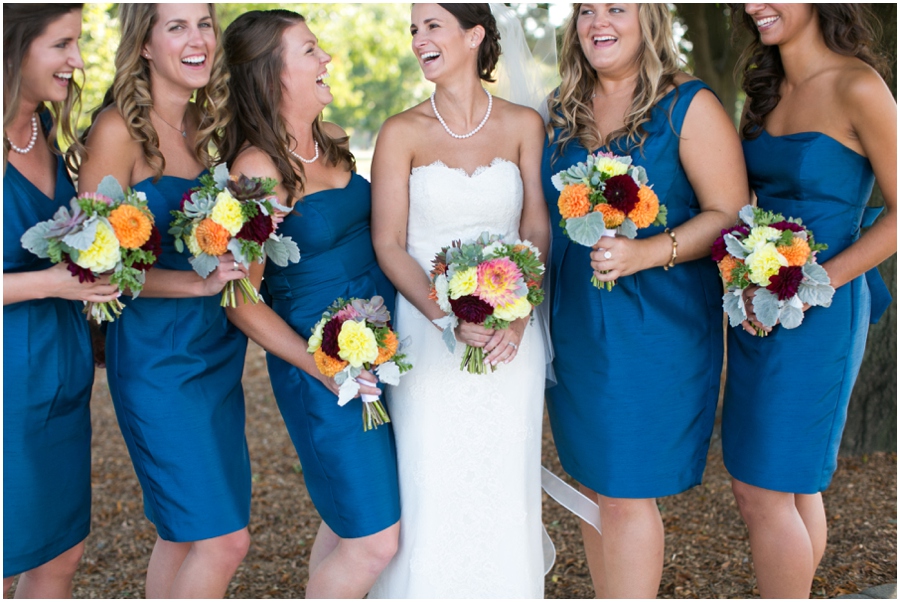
(468,446)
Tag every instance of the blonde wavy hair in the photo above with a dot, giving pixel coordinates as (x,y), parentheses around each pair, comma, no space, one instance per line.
(22,23)
(131,92)
(571,110)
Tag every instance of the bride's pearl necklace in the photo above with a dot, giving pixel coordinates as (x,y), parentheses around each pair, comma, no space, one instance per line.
(34,132)
(313,160)
(473,132)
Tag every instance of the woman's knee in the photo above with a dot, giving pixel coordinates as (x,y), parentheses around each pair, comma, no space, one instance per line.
(63,565)
(380,548)
(755,503)
(626,510)
(229,549)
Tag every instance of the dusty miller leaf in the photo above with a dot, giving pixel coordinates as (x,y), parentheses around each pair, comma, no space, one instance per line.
(586,230)
(204,264)
(110,187)
(733,304)
(35,239)
(767,307)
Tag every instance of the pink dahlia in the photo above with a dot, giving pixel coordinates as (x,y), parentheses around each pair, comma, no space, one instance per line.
(498,281)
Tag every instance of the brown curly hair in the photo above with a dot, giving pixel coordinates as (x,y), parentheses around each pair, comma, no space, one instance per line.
(848,29)
(571,110)
(131,93)
(22,23)
(470,15)
(254,55)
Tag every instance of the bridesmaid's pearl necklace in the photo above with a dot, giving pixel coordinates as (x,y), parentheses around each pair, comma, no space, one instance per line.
(34,132)
(473,132)
(313,160)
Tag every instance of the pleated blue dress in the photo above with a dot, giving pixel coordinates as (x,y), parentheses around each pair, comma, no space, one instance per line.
(786,394)
(48,371)
(637,367)
(174,369)
(351,475)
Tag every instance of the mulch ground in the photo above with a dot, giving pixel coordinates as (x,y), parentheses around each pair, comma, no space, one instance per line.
(707,553)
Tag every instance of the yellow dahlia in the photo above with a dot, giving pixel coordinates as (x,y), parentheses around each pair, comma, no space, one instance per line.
(132,226)
(464,282)
(357,344)
(764,263)
(103,254)
(192,244)
(761,235)
(513,311)
(227,213)
(211,237)
(610,167)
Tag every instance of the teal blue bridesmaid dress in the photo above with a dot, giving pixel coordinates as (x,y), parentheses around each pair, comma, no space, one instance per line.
(637,367)
(48,371)
(174,369)
(351,475)
(786,394)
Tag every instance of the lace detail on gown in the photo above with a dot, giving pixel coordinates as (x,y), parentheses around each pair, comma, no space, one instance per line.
(468,446)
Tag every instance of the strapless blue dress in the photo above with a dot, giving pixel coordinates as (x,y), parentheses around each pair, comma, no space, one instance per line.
(638,367)
(786,394)
(174,369)
(351,475)
(48,371)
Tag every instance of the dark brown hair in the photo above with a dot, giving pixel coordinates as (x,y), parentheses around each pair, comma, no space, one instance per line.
(848,29)
(22,23)
(254,55)
(470,15)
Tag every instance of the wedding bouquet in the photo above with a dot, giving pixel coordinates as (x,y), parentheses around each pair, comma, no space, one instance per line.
(356,335)
(605,196)
(777,254)
(103,231)
(488,281)
(227,213)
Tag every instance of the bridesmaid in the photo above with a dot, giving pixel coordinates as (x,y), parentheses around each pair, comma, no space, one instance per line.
(277,132)
(627,438)
(174,362)
(47,366)
(819,126)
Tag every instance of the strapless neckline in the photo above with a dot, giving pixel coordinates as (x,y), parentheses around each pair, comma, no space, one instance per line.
(481,169)
(813,134)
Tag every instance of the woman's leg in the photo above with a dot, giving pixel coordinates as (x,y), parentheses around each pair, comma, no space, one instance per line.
(783,551)
(593,549)
(353,565)
(53,579)
(199,569)
(812,511)
(325,543)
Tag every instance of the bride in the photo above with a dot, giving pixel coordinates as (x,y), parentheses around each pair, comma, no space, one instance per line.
(468,446)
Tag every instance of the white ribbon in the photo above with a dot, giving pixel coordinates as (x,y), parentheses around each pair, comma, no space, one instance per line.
(571,499)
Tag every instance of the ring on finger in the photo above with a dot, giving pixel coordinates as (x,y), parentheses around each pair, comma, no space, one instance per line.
(236,266)
(607,255)
(514,346)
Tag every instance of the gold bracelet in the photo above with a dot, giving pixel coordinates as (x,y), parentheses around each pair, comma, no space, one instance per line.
(671,263)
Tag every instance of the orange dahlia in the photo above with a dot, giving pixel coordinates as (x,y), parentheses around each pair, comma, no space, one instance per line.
(390,348)
(326,364)
(574,201)
(131,225)
(612,217)
(647,208)
(796,253)
(212,238)
(728,263)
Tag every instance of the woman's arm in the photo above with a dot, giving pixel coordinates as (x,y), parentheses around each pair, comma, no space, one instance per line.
(112,152)
(873,117)
(711,155)
(57,281)
(259,321)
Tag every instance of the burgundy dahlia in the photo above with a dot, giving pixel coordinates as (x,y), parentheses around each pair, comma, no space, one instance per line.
(83,274)
(785,225)
(719,252)
(786,282)
(154,245)
(471,309)
(330,337)
(622,193)
(185,198)
(257,229)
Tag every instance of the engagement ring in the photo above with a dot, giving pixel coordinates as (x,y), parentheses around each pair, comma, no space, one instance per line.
(514,346)
(607,255)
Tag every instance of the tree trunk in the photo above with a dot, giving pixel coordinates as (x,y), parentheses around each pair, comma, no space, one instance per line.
(872,416)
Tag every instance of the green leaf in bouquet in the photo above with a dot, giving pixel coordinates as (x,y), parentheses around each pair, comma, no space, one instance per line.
(791,315)
(388,373)
(735,247)
(639,174)
(204,264)
(747,215)
(628,229)
(282,250)
(740,276)
(110,187)
(220,175)
(662,218)
(82,238)
(733,304)
(536,296)
(787,237)
(586,230)
(766,307)
(814,293)
(35,239)
(816,273)
(179,244)
(238,249)
(447,324)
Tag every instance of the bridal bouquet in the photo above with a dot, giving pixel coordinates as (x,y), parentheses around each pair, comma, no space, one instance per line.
(605,196)
(103,231)
(226,213)
(777,254)
(487,281)
(356,335)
